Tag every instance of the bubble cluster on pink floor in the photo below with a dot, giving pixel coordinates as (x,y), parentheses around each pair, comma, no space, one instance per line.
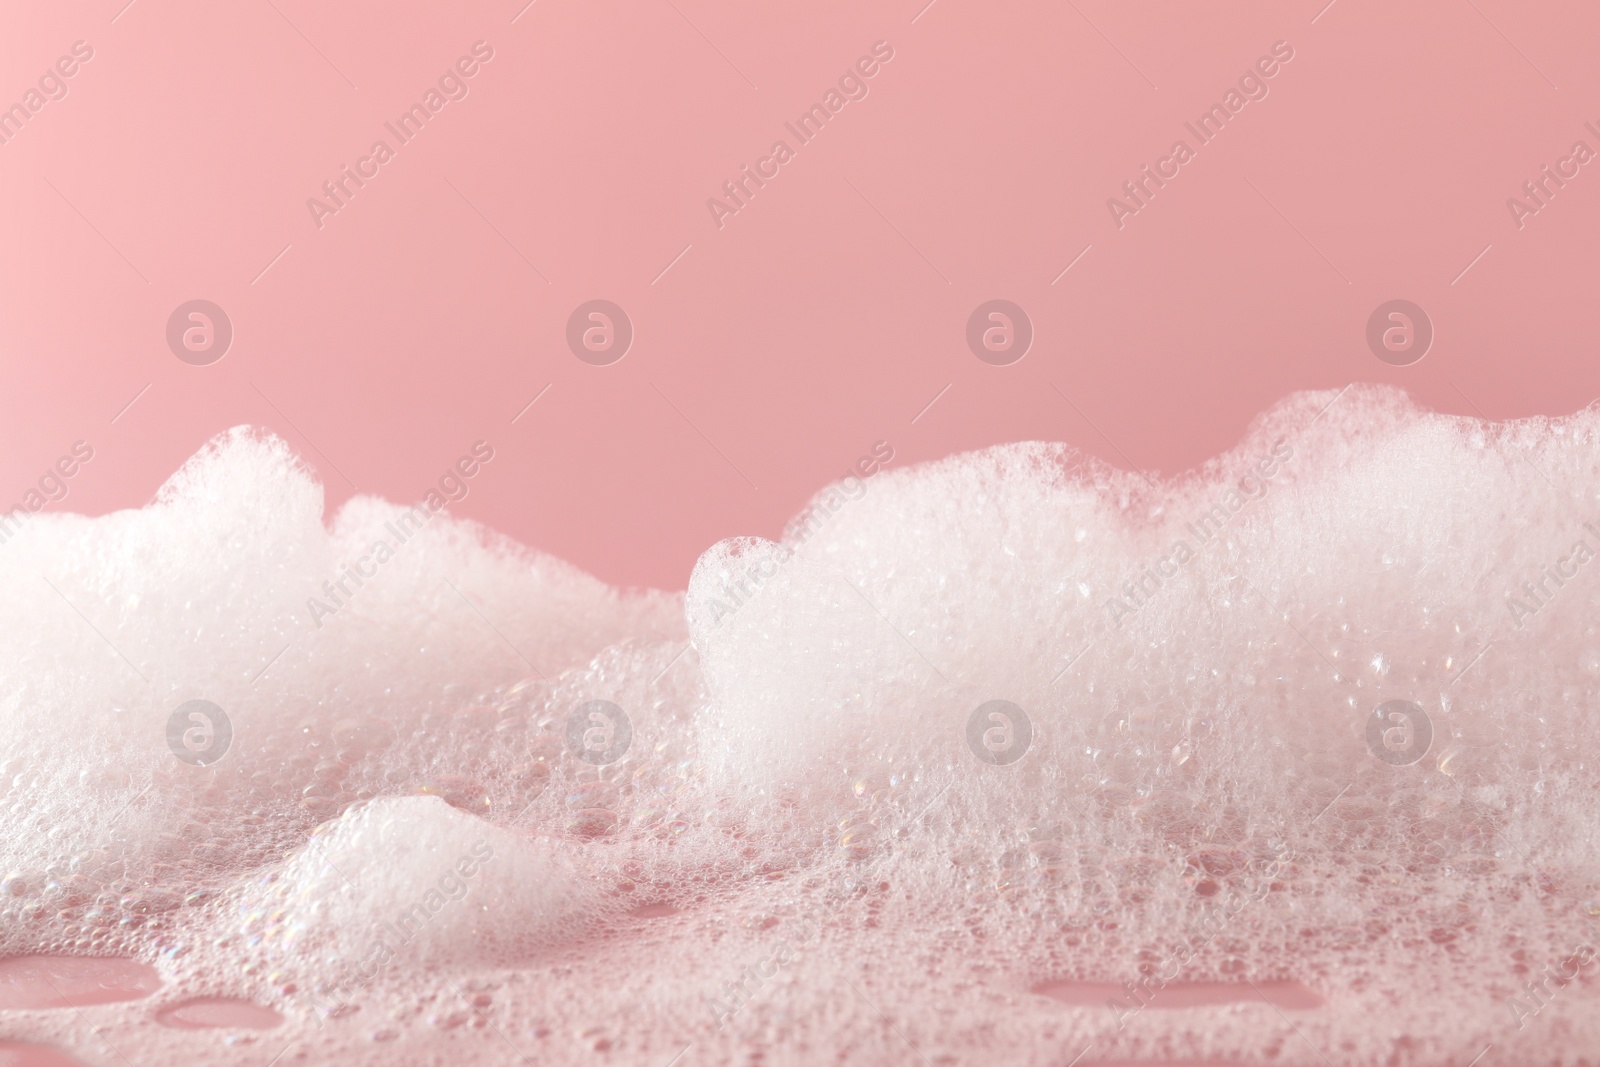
(1010,757)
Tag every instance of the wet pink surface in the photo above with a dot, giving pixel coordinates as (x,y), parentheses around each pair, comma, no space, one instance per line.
(654,911)
(211,1013)
(1286,996)
(19,1054)
(72,981)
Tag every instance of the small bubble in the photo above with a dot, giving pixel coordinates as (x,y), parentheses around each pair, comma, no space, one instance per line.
(531,778)
(477,719)
(458,792)
(592,822)
(1051,855)
(150,902)
(545,749)
(1219,862)
(874,785)
(596,794)
(364,733)
(859,840)
(330,770)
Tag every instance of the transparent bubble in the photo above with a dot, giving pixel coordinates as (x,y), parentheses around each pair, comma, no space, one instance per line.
(592,822)
(860,840)
(459,792)
(368,734)
(593,794)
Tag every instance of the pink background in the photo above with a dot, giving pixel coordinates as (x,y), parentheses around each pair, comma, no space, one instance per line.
(829,311)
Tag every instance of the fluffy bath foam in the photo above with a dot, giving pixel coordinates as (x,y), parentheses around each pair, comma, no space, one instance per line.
(407,882)
(1007,758)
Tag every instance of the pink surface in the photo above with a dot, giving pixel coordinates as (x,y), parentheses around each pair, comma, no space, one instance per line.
(208,1013)
(21,1054)
(773,345)
(72,981)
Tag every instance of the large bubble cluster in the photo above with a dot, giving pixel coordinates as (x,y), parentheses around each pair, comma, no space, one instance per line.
(1016,757)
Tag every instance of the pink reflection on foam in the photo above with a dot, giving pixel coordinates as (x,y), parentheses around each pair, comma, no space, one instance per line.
(1286,996)
(210,1013)
(17,1054)
(73,981)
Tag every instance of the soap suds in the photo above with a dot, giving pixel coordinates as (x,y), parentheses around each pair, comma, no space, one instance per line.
(1014,757)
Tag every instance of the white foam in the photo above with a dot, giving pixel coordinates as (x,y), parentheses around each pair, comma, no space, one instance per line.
(812,846)
(400,883)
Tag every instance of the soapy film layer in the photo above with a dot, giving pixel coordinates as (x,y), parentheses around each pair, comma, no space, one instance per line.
(1205,848)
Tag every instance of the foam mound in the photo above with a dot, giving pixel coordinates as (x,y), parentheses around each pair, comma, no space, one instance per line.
(1011,756)
(406,882)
